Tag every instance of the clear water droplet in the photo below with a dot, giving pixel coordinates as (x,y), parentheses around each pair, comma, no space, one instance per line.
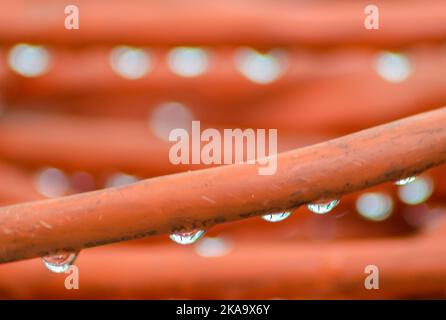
(169,116)
(375,206)
(188,61)
(276,217)
(322,208)
(261,68)
(393,67)
(403,182)
(129,62)
(186,237)
(29,60)
(60,262)
(120,179)
(52,182)
(416,192)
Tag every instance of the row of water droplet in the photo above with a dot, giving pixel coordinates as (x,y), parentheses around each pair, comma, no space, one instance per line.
(318,208)
(62,261)
(134,63)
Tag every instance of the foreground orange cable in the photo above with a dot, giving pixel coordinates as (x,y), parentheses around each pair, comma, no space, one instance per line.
(200,199)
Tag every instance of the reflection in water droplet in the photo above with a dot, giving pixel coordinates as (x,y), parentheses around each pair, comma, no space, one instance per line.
(322,208)
(276,217)
(60,262)
(405,181)
(186,237)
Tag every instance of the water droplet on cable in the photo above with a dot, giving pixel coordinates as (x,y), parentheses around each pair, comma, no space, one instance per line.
(130,63)
(261,68)
(276,217)
(375,206)
(82,181)
(120,179)
(60,262)
(188,62)
(393,67)
(405,181)
(52,182)
(417,191)
(169,116)
(323,207)
(29,60)
(186,237)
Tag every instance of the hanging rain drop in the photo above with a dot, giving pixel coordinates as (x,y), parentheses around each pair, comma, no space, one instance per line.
(276,217)
(186,237)
(403,182)
(60,262)
(322,208)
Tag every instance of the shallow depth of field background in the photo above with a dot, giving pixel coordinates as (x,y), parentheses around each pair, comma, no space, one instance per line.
(92,108)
